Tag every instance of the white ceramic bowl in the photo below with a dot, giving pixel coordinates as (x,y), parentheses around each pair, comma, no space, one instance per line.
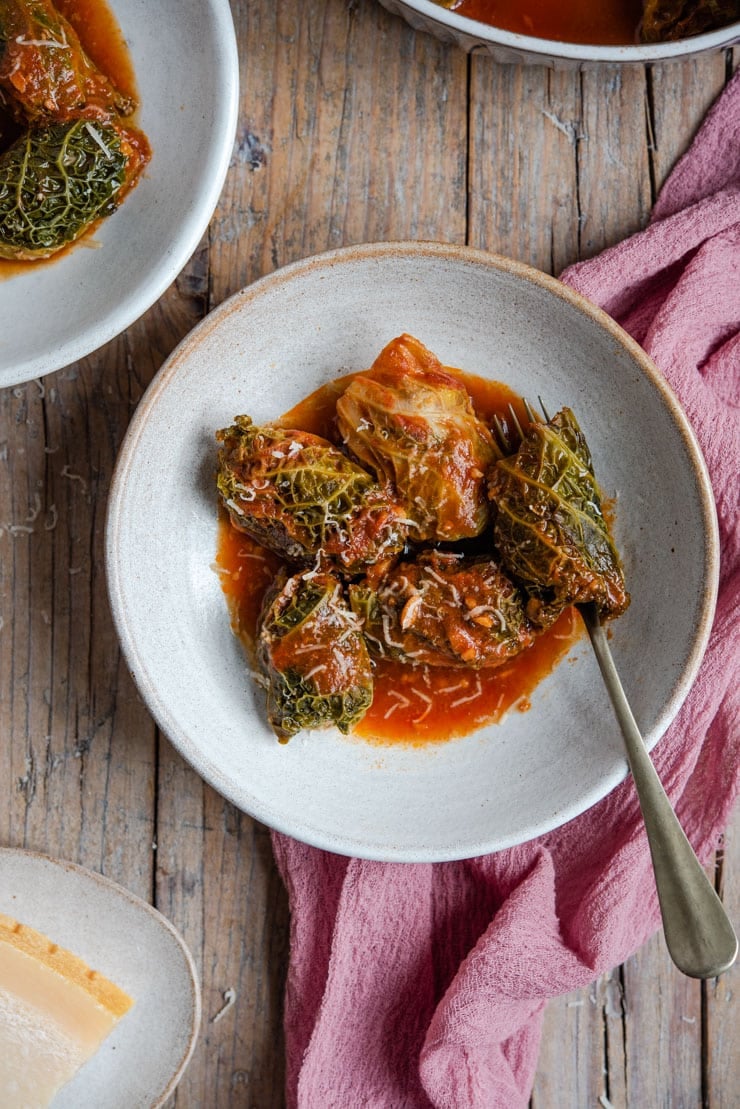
(185,60)
(506,46)
(272,344)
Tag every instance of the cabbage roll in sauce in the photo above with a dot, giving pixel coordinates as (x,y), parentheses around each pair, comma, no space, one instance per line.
(44,71)
(313,655)
(301,497)
(57,180)
(549,527)
(444,609)
(414,425)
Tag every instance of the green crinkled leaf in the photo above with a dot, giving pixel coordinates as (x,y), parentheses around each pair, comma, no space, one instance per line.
(549,527)
(55,182)
(313,654)
(300,496)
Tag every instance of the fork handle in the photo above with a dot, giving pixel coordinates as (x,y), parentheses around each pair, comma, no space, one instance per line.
(698,933)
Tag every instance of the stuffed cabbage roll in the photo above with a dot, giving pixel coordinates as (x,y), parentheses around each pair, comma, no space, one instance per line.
(314,657)
(44,71)
(299,495)
(56,181)
(669,20)
(549,528)
(413,424)
(444,609)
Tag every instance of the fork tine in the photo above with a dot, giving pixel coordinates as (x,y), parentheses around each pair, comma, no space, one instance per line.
(515,421)
(531,414)
(507,441)
(501,435)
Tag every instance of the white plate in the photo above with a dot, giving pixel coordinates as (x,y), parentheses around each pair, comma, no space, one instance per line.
(185,61)
(141,1062)
(262,351)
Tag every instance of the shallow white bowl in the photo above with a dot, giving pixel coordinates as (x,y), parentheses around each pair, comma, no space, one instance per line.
(508,47)
(118,934)
(185,61)
(259,353)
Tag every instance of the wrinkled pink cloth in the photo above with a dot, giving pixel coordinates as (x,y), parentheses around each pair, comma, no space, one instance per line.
(424,985)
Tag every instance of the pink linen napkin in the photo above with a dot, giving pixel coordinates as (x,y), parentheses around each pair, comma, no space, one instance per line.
(424,985)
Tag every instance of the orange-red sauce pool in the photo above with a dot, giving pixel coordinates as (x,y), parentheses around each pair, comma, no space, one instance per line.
(605,22)
(412,705)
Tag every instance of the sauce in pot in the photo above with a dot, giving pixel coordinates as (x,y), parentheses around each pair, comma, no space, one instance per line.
(606,22)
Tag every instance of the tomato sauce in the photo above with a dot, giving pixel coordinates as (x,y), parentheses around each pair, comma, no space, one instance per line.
(102,39)
(411,705)
(607,23)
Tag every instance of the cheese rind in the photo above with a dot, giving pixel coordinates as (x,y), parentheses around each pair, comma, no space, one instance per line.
(54,1014)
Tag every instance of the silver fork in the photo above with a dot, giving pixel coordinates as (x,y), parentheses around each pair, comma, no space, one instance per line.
(698,933)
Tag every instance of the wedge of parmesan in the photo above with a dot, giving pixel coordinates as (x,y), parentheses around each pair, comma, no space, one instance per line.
(55,1013)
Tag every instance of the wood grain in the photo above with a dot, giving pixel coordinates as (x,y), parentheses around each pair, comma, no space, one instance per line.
(352,128)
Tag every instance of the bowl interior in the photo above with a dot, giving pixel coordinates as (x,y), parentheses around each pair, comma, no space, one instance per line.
(188,102)
(260,353)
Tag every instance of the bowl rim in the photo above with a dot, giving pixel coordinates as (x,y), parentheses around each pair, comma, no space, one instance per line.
(146,292)
(199,759)
(487,33)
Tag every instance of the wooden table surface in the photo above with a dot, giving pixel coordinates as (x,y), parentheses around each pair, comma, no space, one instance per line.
(352,128)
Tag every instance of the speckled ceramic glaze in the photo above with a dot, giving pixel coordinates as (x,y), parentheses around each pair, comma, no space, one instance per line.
(507,47)
(262,351)
(141,1062)
(59,311)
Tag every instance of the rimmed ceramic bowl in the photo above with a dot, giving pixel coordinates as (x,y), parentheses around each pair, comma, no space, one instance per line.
(140,1063)
(269,346)
(185,61)
(508,47)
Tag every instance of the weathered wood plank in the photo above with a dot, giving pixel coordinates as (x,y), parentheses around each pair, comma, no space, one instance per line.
(526,131)
(81,783)
(559,165)
(721,1002)
(582,1034)
(663,1030)
(678,96)
(353,129)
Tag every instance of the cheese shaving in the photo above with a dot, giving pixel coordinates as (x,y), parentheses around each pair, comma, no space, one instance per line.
(472,697)
(33,512)
(427,710)
(66,472)
(229,999)
(95,135)
(51,44)
(453,688)
(320,669)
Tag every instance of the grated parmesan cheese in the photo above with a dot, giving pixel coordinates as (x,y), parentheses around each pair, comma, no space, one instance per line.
(51,44)
(472,697)
(320,669)
(66,472)
(453,688)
